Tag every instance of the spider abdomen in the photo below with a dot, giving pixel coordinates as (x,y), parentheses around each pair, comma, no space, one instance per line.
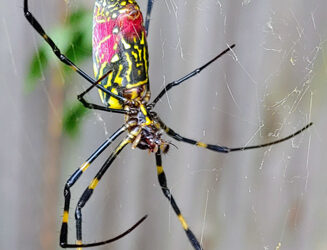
(119,46)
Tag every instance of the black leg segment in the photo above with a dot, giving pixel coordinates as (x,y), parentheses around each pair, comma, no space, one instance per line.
(188,76)
(87,194)
(224,149)
(163,183)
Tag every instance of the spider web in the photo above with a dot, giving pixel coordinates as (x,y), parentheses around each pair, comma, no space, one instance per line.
(259,93)
(270,85)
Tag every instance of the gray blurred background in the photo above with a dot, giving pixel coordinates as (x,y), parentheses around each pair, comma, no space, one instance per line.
(270,86)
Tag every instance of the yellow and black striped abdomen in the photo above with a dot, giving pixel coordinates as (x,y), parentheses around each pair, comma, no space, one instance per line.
(119,46)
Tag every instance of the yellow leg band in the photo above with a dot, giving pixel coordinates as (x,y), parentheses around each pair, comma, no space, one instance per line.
(79,242)
(65,217)
(201,144)
(84,166)
(182,220)
(94,183)
(159,169)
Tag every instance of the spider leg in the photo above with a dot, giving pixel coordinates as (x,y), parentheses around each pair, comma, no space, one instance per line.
(36,25)
(163,183)
(224,149)
(188,76)
(88,105)
(99,107)
(74,177)
(86,195)
(148,16)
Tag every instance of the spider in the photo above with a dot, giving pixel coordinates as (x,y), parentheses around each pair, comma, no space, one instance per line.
(120,58)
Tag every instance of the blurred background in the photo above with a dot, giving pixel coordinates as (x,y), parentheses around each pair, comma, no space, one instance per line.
(273,84)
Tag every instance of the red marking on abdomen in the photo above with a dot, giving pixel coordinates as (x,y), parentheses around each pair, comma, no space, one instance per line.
(101,31)
(131,22)
(129,25)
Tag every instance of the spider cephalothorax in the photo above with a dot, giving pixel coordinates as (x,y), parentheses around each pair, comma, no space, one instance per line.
(144,128)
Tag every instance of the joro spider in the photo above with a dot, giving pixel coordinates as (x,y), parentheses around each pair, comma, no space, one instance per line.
(120,57)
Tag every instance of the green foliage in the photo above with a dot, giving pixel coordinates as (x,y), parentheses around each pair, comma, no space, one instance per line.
(72,119)
(74,38)
(37,66)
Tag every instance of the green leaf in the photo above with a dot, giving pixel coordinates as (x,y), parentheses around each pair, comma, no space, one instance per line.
(73,116)
(74,39)
(37,66)
(77,16)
